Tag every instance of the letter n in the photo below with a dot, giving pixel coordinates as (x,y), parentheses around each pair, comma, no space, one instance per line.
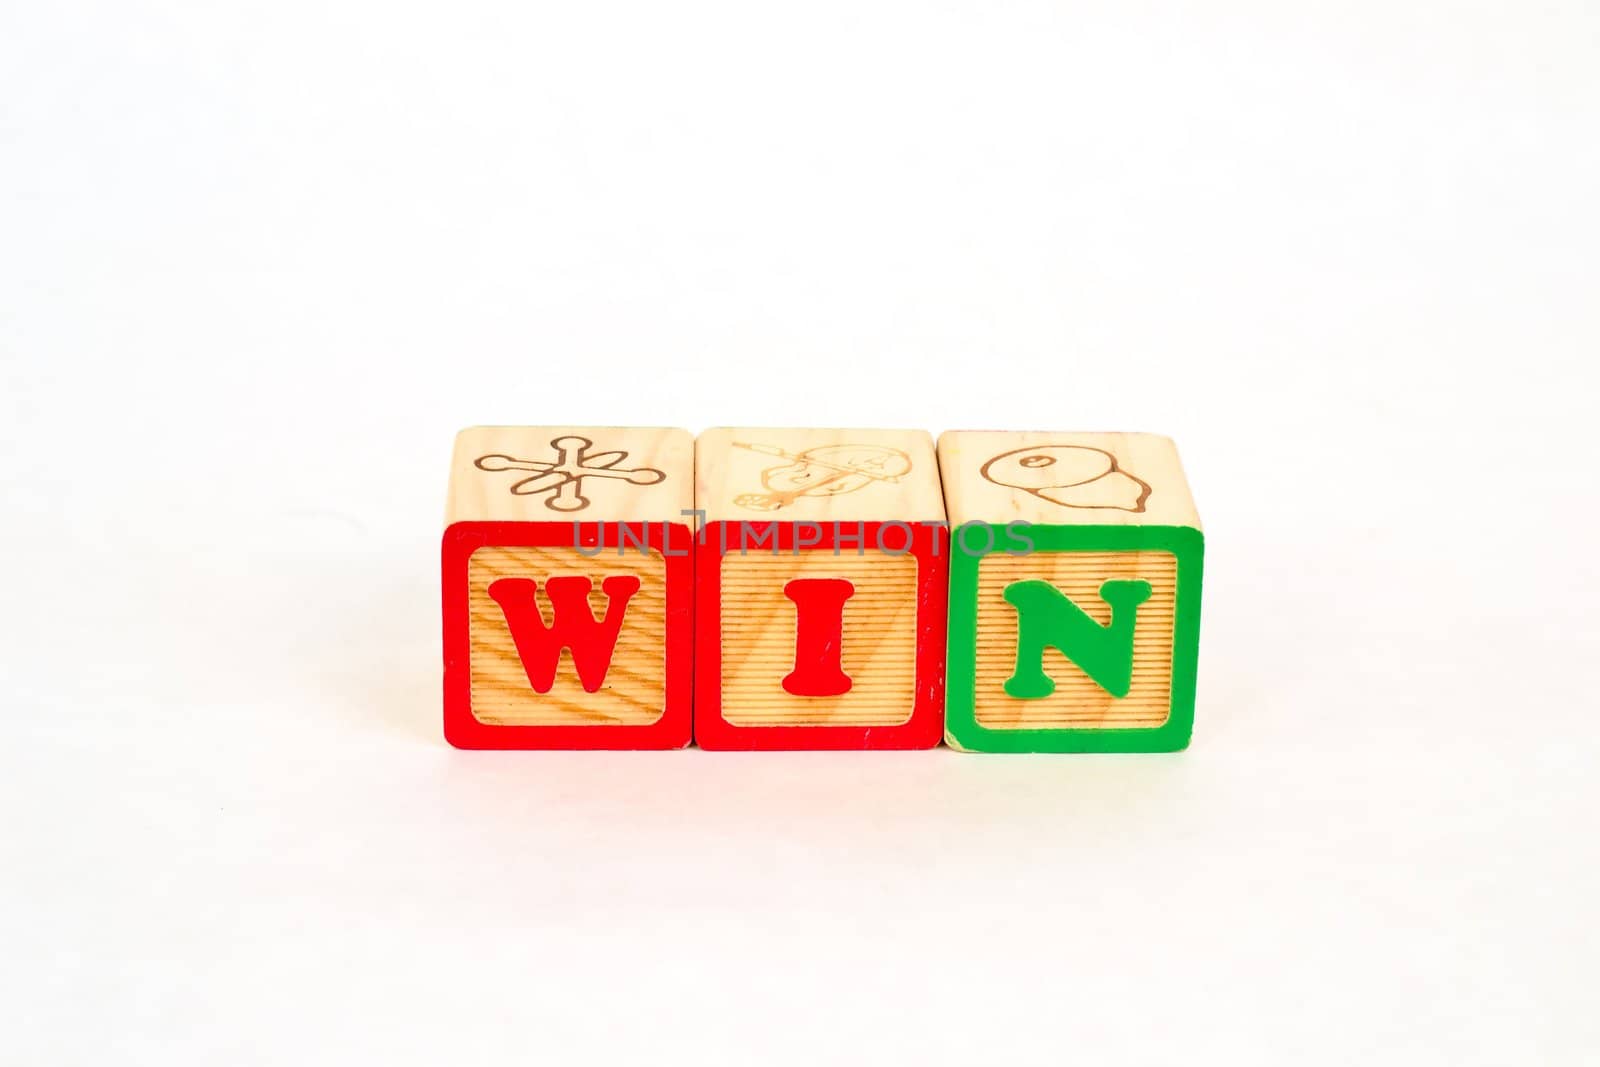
(818,636)
(573,625)
(1047,619)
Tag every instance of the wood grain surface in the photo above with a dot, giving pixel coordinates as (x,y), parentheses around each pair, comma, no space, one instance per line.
(505,493)
(820,475)
(634,689)
(1078,702)
(1064,479)
(878,647)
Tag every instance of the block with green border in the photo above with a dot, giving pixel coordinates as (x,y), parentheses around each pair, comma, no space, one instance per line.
(1075,577)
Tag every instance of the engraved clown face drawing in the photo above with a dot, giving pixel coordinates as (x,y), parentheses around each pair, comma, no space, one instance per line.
(1073,476)
(828,470)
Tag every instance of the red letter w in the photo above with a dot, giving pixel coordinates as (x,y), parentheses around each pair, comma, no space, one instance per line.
(574,626)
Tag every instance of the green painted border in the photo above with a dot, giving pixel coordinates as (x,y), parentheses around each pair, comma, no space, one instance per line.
(961,726)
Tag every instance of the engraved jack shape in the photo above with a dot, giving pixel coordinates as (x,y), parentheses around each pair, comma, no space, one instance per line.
(563,477)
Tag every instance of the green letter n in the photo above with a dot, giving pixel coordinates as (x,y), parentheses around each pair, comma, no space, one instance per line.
(1047,619)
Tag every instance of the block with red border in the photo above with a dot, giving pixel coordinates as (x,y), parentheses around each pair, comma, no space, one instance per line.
(821,581)
(567,581)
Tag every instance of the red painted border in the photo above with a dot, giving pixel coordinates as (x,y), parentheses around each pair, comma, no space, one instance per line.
(930,546)
(672,730)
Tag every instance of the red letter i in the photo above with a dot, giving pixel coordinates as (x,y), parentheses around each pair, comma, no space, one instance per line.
(818,636)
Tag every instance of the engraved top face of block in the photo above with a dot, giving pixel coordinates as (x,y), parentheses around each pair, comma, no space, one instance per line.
(795,475)
(1064,479)
(571,474)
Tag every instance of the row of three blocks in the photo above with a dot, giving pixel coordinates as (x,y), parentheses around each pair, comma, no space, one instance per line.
(819,589)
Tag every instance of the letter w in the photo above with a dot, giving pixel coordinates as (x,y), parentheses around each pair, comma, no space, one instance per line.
(1047,619)
(573,626)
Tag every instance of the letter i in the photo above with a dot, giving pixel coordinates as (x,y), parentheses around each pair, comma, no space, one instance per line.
(818,636)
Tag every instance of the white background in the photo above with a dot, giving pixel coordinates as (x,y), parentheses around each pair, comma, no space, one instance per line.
(258,262)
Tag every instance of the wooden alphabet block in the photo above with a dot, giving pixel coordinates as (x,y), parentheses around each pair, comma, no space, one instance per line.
(821,577)
(568,588)
(1074,592)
